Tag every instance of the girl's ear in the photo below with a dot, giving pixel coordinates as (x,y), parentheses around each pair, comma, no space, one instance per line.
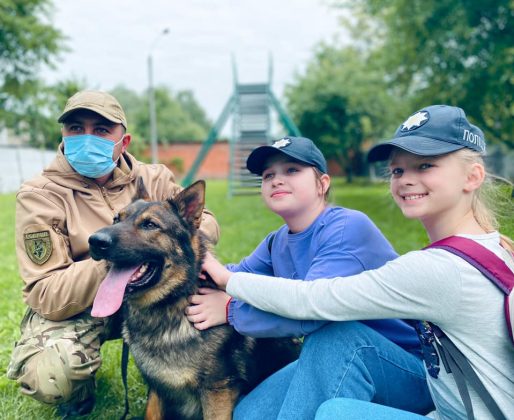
(475,177)
(324,181)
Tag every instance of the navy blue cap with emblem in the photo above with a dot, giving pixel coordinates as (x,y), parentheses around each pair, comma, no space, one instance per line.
(301,149)
(432,131)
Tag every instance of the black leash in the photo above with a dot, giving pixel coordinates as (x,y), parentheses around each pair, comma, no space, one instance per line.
(124,371)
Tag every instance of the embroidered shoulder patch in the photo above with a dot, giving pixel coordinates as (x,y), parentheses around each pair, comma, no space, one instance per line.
(38,246)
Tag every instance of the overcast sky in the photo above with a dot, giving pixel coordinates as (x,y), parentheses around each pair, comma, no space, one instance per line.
(110,41)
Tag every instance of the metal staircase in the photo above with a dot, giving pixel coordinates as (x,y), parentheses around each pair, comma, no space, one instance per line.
(250,107)
(251,129)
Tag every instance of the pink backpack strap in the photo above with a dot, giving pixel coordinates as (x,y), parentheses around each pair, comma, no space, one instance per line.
(487,262)
(495,269)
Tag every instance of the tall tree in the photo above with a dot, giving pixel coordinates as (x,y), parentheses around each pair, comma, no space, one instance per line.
(189,104)
(339,102)
(173,121)
(458,52)
(42,110)
(179,116)
(27,41)
(136,109)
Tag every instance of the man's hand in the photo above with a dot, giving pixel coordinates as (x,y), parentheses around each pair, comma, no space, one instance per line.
(208,308)
(216,270)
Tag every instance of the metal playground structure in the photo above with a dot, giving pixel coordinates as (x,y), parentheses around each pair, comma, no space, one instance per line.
(250,108)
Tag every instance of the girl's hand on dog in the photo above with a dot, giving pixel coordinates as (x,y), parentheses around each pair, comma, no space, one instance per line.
(216,270)
(208,309)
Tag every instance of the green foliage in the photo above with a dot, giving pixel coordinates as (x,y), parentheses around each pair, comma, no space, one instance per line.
(341,101)
(176,164)
(27,41)
(179,116)
(445,51)
(42,109)
(190,106)
(27,105)
(133,104)
(173,121)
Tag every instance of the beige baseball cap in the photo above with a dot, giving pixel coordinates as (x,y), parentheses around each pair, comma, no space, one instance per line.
(97,101)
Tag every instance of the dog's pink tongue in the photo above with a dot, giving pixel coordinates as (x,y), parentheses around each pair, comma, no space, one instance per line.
(109,296)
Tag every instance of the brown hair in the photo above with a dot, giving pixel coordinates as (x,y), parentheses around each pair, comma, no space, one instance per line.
(318,175)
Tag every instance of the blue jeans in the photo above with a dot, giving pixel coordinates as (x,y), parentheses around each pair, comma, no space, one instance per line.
(341,359)
(344,408)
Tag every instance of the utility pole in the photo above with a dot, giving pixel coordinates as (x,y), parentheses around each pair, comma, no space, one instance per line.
(151,99)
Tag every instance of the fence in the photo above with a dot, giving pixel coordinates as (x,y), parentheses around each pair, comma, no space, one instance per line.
(500,161)
(18,164)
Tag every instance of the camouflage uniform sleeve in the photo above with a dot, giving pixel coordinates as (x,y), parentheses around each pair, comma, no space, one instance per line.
(165,186)
(56,287)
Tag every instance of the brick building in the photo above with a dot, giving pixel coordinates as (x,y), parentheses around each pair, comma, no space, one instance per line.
(179,157)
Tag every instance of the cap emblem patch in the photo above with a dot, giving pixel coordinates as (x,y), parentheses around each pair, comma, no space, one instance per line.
(415,121)
(38,246)
(279,144)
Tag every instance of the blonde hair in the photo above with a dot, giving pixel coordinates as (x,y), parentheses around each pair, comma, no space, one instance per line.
(489,201)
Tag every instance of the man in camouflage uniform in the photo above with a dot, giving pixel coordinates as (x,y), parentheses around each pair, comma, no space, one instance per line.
(90,180)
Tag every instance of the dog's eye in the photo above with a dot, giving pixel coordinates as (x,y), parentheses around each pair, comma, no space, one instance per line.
(148,224)
(116,219)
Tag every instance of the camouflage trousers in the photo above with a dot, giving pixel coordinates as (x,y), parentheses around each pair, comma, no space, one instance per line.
(56,361)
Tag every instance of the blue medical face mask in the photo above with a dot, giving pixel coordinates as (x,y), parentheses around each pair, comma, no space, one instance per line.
(90,155)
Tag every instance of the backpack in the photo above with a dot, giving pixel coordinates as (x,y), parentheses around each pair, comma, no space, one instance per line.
(491,266)
(494,269)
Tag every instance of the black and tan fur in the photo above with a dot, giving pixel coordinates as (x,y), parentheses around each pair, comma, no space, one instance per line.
(191,374)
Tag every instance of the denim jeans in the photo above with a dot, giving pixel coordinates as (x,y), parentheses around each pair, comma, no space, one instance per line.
(341,359)
(347,409)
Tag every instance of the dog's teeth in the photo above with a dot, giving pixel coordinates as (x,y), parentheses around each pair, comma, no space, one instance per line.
(139,272)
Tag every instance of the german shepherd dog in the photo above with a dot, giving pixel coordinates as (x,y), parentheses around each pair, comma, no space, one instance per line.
(155,253)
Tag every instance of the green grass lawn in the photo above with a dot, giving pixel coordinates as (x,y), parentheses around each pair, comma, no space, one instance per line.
(244,222)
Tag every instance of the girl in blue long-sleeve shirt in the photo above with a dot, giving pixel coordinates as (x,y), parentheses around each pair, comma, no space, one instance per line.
(316,241)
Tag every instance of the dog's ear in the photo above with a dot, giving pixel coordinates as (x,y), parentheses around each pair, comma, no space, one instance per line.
(141,193)
(190,203)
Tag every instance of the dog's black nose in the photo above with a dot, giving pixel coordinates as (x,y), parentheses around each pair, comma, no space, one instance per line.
(99,243)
